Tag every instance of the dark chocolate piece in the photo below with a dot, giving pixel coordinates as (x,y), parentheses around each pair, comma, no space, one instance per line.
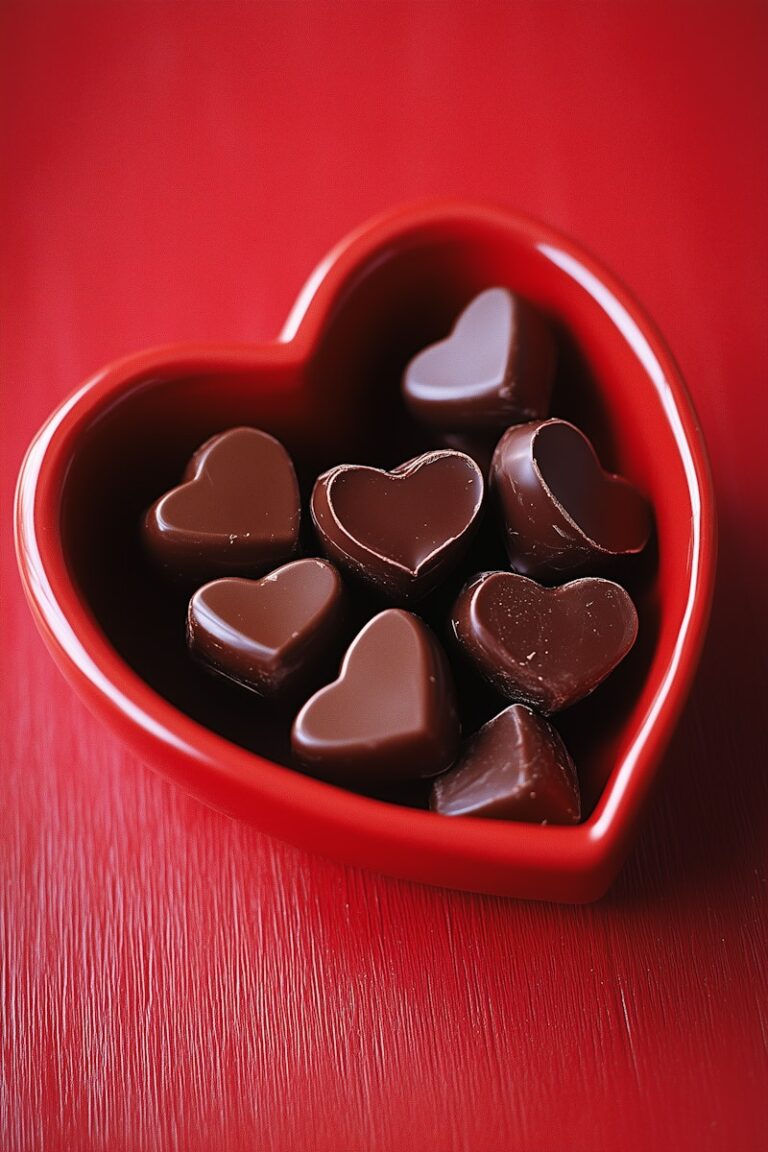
(236,512)
(271,634)
(495,368)
(400,532)
(563,515)
(390,716)
(515,768)
(547,647)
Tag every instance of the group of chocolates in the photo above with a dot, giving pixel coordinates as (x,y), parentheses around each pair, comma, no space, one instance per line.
(542,636)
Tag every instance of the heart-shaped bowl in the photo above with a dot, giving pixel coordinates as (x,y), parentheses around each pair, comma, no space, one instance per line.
(330,381)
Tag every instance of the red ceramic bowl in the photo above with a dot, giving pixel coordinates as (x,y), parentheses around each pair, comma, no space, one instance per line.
(384,292)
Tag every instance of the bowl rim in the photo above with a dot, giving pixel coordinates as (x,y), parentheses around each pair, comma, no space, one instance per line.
(114,691)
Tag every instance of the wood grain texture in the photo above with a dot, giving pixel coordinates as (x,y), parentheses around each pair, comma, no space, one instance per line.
(172,980)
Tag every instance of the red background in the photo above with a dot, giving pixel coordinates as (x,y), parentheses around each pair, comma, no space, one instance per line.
(171,979)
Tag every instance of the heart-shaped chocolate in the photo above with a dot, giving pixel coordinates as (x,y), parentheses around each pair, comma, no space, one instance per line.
(390,716)
(515,768)
(401,532)
(547,647)
(494,369)
(271,634)
(236,511)
(562,513)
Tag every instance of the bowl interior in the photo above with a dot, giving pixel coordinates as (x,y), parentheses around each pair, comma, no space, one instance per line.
(339,401)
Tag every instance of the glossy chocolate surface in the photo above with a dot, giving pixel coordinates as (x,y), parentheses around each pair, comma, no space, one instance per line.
(562,514)
(515,768)
(269,635)
(236,512)
(399,532)
(547,647)
(495,368)
(391,714)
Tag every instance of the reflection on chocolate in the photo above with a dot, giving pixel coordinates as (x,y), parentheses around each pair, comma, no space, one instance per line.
(400,532)
(562,513)
(271,634)
(495,368)
(390,716)
(237,511)
(515,768)
(547,647)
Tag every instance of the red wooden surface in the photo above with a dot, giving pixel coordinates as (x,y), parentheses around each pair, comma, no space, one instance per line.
(170,979)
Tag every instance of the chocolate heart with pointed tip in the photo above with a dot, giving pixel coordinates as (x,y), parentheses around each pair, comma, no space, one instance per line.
(390,716)
(494,369)
(400,532)
(515,768)
(269,635)
(547,647)
(236,511)
(102,456)
(562,513)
